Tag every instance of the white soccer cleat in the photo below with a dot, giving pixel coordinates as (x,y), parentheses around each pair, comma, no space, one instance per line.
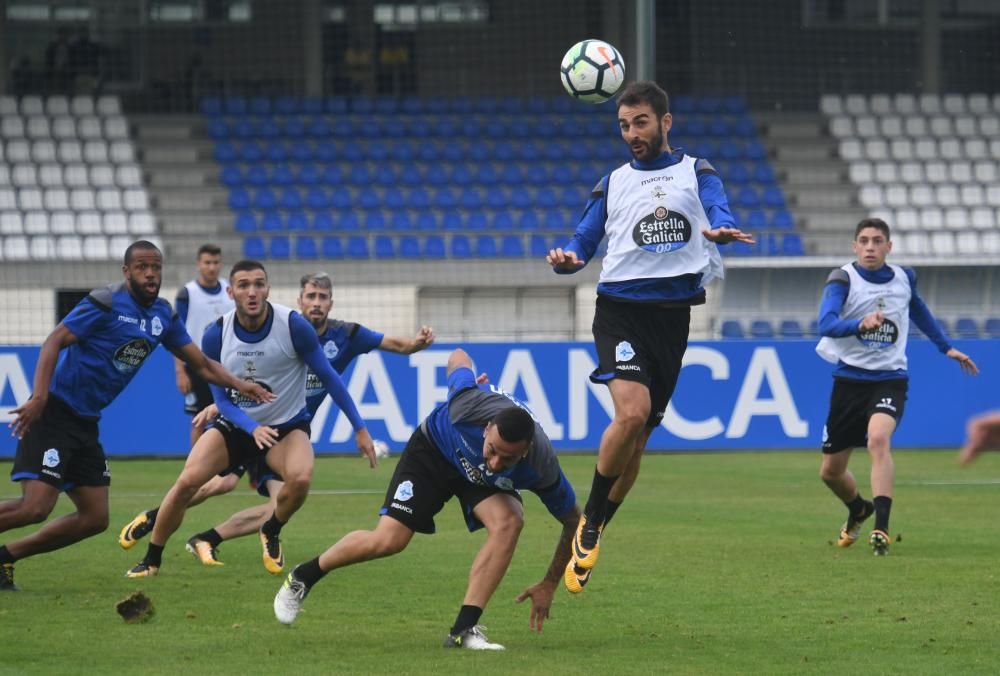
(288,600)
(472,638)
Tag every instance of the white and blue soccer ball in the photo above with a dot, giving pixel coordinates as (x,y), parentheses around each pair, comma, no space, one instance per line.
(592,71)
(381,448)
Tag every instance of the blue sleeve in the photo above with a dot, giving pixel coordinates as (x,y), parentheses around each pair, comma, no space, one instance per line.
(181,304)
(590,229)
(829,323)
(459,380)
(84,319)
(307,346)
(365,340)
(921,315)
(713,196)
(176,335)
(559,498)
(211,342)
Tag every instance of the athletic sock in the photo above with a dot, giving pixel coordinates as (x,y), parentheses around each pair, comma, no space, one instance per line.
(610,512)
(857,506)
(597,503)
(468,616)
(211,536)
(308,572)
(5,555)
(154,555)
(883,505)
(272,526)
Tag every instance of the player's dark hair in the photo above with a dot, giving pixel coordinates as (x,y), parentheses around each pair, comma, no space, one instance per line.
(320,279)
(515,424)
(876,223)
(246,265)
(646,91)
(143,245)
(210,249)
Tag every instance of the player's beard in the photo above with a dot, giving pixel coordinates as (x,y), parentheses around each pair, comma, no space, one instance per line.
(139,291)
(651,150)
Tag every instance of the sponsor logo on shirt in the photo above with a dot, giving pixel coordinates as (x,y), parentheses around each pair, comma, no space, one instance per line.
(624,351)
(883,337)
(404,491)
(128,320)
(662,231)
(330,350)
(157,326)
(129,357)
(51,458)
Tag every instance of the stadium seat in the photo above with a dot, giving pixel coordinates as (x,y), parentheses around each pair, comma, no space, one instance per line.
(790,328)
(332,247)
(305,248)
(434,247)
(253,247)
(991,328)
(486,246)
(280,248)
(357,247)
(512,246)
(461,247)
(731,329)
(384,247)
(966,327)
(761,328)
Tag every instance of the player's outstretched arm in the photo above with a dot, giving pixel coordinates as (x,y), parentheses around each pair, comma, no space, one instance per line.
(542,593)
(26,414)
(401,345)
(964,361)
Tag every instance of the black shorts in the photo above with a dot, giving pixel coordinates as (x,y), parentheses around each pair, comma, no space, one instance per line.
(244,456)
(852,404)
(644,343)
(62,449)
(200,395)
(424,481)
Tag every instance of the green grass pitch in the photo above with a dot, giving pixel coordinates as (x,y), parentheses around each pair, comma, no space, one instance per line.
(717,564)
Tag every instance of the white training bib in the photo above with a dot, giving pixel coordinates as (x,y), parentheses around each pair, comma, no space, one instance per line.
(884,348)
(204,308)
(654,225)
(271,362)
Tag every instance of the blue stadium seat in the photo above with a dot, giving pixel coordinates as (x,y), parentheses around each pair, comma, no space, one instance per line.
(730,150)
(332,175)
(294,128)
(297,221)
(744,128)
(384,247)
(245,222)
(210,105)
(336,105)
(418,198)
(555,219)
(400,220)
(333,247)
(461,247)
(359,175)
(763,173)
(512,246)
(340,198)
(452,152)
(539,246)
(445,199)
(256,175)
(225,152)
(301,151)
(412,105)
(434,247)
(312,105)
(813,329)
(504,151)
(282,175)
(529,221)
(476,220)
(368,198)
(761,328)
(271,222)
(748,198)
(992,327)
(253,247)
(486,246)
(966,327)
(305,248)
(217,129)
(350,151)
(280,248)
(546,199)
(462,176)
(374,220)
(790,328)
(756,151)
(319,129)
(239,199)
(773,198)
(427,220)
(755,221)
(486,174)
(357,247)
(428,151)
(451,219)
(502,221)
(731,329)
(782,220)
(512,174)
(719,127)
(286,105)
(711,105)
(290,199)
(267,129)
(231,176)
(471,198)
(235,105)
(348,221)
(308,175)
(791,245)
(409,247)
(260,105)
(317,198)
(572,198)
(322,221)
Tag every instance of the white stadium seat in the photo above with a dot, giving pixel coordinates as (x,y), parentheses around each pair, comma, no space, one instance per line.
(4,176)
(992,196)
(69,152)
(950,149)
(12,127)
(936,172)
(75,176)
(135,199)
(967,243)
(109,105)
(42,248)
(63,128)
(56,199)
(82,105)
(985,172)
(82,199)
(32,105)
(989,242)
(842,126)
(905,104)
(966,126)
(115,223)
(891,126)
(931,218)
(953,104)
(8,106)
(956,218)
(115,128)
(972,195)
(16,249)
(886,172)
(876,149)
(88,223)
(871,196)
(925,149)
(831,104)
(43,151)
(989,126)
(18,150)
(95,152)
(855,104)
(36,223)
(979,104)
(56,105)
(975,149)
(29,199)
(24,176)
(50,175)
(95,247)
(69,248)
(102,176)
(960,172)
(866,126)
(110,199)
(907,219)
(860,172)
(38,127)
(141,223)
(942,244)
(917,244)
(117,246)
(122,152)
(128,176)
(942,126)
(896,196)
(929,104)
(89,128)
(850,150)
(983,218)
(880,104)
(921,195)
(8,199)
(915,127)
(11,223)
(911,172)
(62,223)
(946,195)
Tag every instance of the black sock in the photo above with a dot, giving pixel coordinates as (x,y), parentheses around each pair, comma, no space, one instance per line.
(309,572)
(612,508)
(212,537)
(151,514)
(883,505)
(597,503)
(154,555)
(272,526)
(857,506)
(468,616)
(5,555)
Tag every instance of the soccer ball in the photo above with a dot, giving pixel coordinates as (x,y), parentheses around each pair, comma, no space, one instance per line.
(381,448)
(592,71)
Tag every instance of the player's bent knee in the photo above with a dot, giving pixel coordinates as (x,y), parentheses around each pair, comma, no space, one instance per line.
(298,485)
(33,513)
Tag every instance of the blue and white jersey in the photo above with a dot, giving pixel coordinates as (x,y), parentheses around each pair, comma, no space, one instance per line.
(456,428)
(341,343)
(200,307)
(653,214)
(115,334)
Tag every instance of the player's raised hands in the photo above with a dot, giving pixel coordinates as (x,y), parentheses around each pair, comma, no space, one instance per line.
(564,260)
(424,338)
(265,436)
(366,446)
(871,321)
(964,361)
(727,235)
